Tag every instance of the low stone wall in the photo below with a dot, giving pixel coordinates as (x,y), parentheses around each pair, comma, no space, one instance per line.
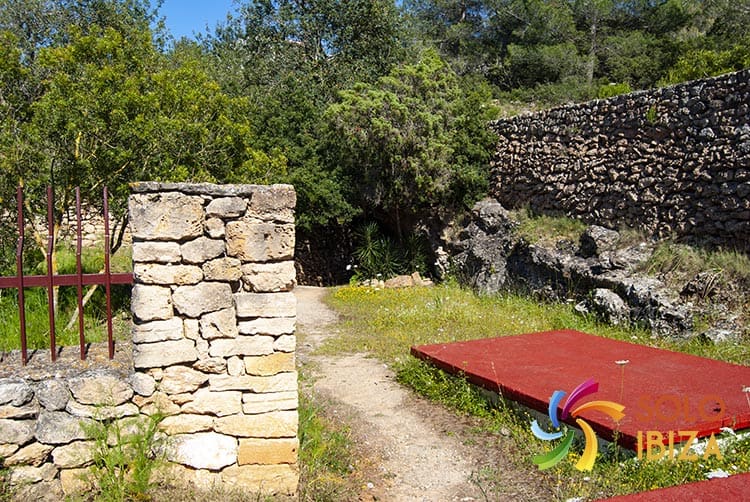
(671,161)
(213,349)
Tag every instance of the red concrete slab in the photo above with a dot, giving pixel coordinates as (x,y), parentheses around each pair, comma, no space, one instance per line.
(735,487)
(660,389)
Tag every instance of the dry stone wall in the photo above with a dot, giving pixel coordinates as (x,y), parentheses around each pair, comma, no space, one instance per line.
(213,348)
(671,161)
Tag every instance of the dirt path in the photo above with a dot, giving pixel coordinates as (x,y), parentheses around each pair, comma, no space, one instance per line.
(421,447)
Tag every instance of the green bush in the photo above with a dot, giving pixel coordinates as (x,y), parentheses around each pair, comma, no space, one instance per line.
(610,90)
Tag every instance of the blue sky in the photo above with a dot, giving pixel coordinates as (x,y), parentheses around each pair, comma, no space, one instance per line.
(185,18)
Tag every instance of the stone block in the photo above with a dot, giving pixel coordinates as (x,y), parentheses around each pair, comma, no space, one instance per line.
(156,273)
(277,424)
(26,411)
(58,427)
(142,384)
(223,269)
(53,395)
(269,277)
(7,449)
(15,392)
(180,379)
(186,424)
(281,479)
(248,383)
(268,451)
(17,432)
(158,402)
(241,346)
(219,324)
(98,388)
(211,365)
(165,216)
(100,412)
(285,343)
(251,241)
(274,203)
(268,326)
(156,252)
(206,402)
(149,303)
(271,364)
(75,454)
(34,454)
(157,331)
(203,450)
(252,404)
(193,301)
(265,304)
(226,207)
(76,481)
(235,366)
(215,228)
(161,354)
(201,250)
(27,474)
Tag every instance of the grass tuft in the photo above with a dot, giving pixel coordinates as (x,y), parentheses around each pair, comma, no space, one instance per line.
(544,229)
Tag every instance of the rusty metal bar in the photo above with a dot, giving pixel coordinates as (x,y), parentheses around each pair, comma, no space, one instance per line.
(108,277)
(79,275)
(50,282)
(19,277)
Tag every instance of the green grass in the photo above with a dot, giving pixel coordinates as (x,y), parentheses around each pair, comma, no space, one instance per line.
(543,229)
(387,323)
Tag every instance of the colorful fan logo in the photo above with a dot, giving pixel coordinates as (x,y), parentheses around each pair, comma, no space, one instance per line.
(586,463)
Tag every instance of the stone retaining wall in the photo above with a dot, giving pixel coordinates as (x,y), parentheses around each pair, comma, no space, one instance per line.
(213,349)
(671,161)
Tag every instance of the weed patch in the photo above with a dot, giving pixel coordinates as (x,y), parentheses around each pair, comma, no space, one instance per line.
(544,229)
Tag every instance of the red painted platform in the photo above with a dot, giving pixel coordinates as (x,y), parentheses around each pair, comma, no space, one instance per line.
(660,389)
(735,487)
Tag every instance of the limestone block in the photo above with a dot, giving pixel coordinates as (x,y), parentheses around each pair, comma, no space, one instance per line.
(285,343)
(278,362)
(75,454)
(226,207)
(202,249)
(219,324)
(268,326)
(203,450)
(156,273)
(211,365)
(100,412)
(223,269)
(266,304)
(192,329)
(53,395)
(181,399)
(15,392)
(186,424)
(7,449)
(193,301)
(241,346)
(276,424)
(142,384)
(268,451)
(161,354)
(26,411)
(44,491)
(99,388)
(274,203)
(235,366)
(253,404)
(214,228)
(206,402)
(150,303)
(277,383)
(17,432)
(156,252)
(165,216)
(34,454)
(269,277)
(58,427)
(157,331)
(266,479)
(26,474)
(252,241)
(76,481)
(180,379)
(158,402)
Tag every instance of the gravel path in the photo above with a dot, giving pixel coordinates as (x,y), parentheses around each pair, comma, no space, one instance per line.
(421,448)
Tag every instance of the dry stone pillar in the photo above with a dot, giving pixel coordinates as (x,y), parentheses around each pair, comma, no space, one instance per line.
(213,325)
